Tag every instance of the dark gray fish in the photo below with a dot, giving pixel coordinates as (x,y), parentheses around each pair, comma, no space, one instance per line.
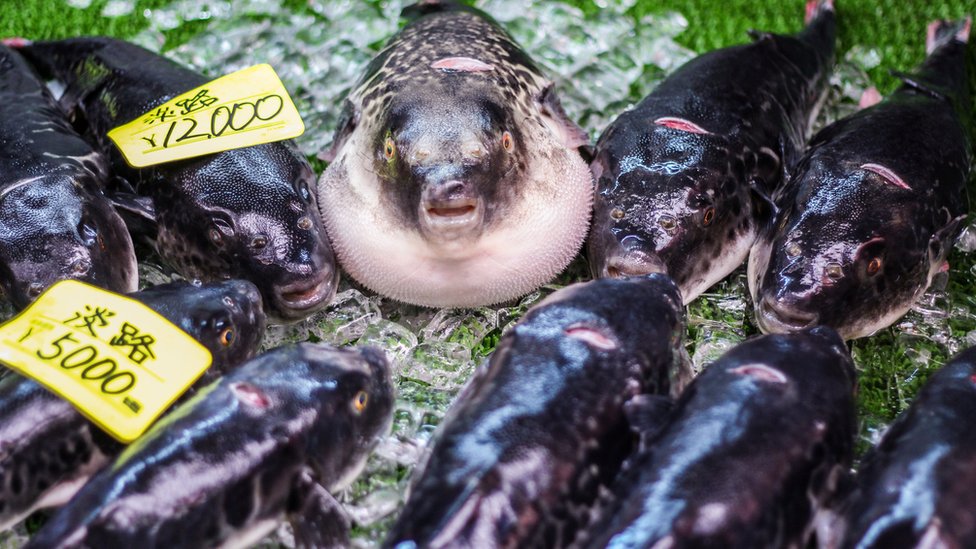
(245,213)
(683,178)
(455,178)
(915,489)
(755,445)
(532,438)
(55,223)
(272,438)
(48,450)
(874,206)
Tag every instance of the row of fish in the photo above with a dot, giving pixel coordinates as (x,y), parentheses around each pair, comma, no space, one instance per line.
(569,438)
(848,233)
(246,213)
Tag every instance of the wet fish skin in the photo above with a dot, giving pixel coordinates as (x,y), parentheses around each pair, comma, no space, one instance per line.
(245,213)
(55,223)
(754,445)
(271,438)
(48,449)
(915,486)
(683,178)
(533,436)
(455,179)
(873,208)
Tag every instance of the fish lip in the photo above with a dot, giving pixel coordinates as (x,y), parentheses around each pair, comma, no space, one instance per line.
(776,317)
(453,215)
(303,297)
(633,263)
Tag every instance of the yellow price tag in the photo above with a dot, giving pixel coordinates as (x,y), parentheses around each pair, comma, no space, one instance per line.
(118,361)
(244,108)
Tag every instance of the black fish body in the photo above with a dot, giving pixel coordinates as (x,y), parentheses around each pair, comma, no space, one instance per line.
(682,178)
(272,438)
(532,438)
(915,489)
(753,448)
(244,213)
(872,209)
(48,449)
(455,178)
(55,223)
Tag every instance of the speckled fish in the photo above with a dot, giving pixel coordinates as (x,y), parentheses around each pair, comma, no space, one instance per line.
(273,438)
(48,449)
(915,489)
(533,437)
(874,206)
(455,178)
(55,223)
(245,213)
(754,448)
(683,178)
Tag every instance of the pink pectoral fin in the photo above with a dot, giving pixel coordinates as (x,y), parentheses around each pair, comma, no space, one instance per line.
(461,64)
(886,174)
(680,124)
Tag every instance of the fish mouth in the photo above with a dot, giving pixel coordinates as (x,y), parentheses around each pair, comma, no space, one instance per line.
(776,317)
(633,263)
(450,216)
(300,299)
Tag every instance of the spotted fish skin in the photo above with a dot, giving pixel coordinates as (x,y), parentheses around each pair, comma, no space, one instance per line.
(269,439)
(244,213)
(914,487)
(48,449)
(55,223)
(533,437)
(873,207)
(753,447)
(683,178)
(455,179)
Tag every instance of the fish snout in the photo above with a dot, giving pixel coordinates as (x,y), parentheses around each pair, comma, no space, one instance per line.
(782,314)
(450,207)
(632,257)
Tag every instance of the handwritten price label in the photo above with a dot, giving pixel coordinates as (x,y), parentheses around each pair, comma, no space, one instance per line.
(115,359)
(244,108)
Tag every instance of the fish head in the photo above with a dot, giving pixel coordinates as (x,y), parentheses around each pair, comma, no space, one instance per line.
(57,229)
(835,258)
(254,219)
(226,317)
(448,168)
(678,203)
(353,391)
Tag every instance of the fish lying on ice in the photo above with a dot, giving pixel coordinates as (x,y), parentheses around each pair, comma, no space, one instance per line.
(755,447)
(48,449)
(533,437)
(269,440)
(915,486)
(874,206)
(683,178)
(55,223)
(455,178)
(244,213)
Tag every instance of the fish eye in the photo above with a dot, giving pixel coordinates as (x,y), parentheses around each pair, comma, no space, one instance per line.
(507,142)
(34,289)
(227,337)
(215,236)
(389,149)
(303,190)
(874,266)
(667,223)
(304,223)
(709,216)
(617,213)
(259,242)
(360,401)
(834,271)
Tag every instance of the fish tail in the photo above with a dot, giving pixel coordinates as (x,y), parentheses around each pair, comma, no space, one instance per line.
(943,73)
(941,32)
(815,8)
(821,27)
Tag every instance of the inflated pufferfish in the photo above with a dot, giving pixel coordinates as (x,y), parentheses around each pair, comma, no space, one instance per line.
(455,178)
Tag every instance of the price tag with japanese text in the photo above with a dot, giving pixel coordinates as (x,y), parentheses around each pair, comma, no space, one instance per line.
(244,108)
(119,362)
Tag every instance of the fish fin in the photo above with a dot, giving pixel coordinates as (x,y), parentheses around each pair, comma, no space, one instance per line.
(138,212)
(762,204)
(347,123)
(648,414)
(869,98)
(317,519)
(943,239)
(568,132)
(912,81)
(758,35)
